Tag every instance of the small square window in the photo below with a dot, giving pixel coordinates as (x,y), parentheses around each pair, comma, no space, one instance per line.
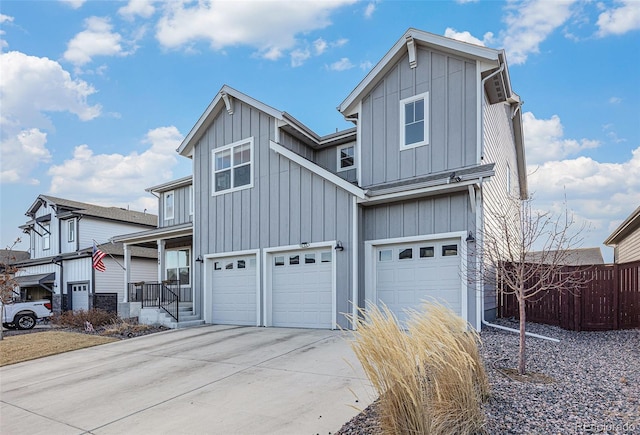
(449,250)
(325,257)
(427,252)
(169,198)
(294,259)
(405,254)
(229,265)
(242,264)
(279,260)
(346,157)
(216,266)
(309,258)
(252,262)
(385,255)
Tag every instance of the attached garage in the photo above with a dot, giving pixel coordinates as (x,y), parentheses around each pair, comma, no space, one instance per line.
(404,275)
(234,290)
(302,288)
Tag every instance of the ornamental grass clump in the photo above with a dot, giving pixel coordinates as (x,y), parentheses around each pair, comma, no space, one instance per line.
(429,377)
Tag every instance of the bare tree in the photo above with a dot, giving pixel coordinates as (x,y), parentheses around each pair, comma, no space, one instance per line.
(7,283)
(525,253)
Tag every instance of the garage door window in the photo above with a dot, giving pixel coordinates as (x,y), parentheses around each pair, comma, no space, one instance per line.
(294,259)
(325,257)
(385,255)
(279,261)
(427,252)
(309,258)
(449,250)
(405,254)
(241,264)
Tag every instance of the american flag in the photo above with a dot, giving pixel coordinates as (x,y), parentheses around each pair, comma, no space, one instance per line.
(98,255)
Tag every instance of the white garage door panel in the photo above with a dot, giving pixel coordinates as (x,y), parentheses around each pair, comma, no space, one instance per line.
(403,284)
(301,295)
(234,291)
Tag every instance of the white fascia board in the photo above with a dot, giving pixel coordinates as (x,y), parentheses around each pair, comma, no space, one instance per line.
(421,38)
(153,235)
(329,176)
(170,185)
(413,193)
(217,104)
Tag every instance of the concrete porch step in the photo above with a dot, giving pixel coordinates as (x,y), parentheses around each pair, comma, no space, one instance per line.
(156,316)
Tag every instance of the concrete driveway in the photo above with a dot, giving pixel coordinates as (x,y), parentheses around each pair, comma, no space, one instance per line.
(206,380)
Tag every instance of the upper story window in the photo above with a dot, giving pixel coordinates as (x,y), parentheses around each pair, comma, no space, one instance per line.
(346,157)
(71,230)
(169,205)
(46,236)
(414,121)
(232,167)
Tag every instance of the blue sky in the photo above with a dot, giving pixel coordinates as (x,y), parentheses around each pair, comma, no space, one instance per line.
(95,96)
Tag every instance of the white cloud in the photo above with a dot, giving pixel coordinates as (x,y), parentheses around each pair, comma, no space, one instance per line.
(270,27)
(4,19)
(544,140)
(529,23)
(366,65)
(600,194)
(31,87)
(369,10)
(468,37)
(341,65)
(299,56)
(75,4)
(116,178)
(319,46)
(466,1)
(96,40)
(615,100)
(21,154)
(621,19)
(142,8)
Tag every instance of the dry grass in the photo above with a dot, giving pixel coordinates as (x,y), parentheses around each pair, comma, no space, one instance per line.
(430,378)
(78,319)
(26,347)
(124,327)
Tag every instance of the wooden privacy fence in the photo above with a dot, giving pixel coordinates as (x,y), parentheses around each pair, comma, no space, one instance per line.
(609,300)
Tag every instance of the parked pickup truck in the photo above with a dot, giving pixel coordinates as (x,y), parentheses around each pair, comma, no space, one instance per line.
(23,315)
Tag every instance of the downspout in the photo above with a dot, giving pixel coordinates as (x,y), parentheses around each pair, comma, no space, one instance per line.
(480,225)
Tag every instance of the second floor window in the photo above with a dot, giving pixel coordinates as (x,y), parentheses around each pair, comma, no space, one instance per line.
(71,230)
(346,157)
(232,167)
(46,236)
(169,205)
(414,121)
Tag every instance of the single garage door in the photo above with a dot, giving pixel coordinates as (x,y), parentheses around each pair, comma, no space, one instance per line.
(234,290)
(301,295)
(408,274)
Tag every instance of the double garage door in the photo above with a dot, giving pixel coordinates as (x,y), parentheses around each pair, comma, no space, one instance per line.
(300,289)
(409,273)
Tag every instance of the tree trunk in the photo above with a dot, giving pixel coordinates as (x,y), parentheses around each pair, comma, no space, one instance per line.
(521,354)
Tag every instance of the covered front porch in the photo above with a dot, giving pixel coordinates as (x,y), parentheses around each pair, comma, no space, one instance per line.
(169,300)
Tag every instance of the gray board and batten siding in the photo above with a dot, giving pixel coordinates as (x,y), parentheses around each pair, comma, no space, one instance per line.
(181,207)
(287,205)
(451,82)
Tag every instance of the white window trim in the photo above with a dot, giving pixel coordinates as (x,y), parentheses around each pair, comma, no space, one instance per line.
(190,265)
(213,167)
(165,195)
(191,200)
(71,230)
(338,160)
(424,96)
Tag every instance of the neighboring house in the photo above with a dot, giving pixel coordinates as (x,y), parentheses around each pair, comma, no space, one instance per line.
(625,239)
(569,257)
(62,234)
(10,256)
(289,228)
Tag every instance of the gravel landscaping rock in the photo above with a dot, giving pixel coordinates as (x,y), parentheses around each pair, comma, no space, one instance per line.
(594,388)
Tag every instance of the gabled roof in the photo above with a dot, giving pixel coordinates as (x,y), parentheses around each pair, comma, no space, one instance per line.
(414,36)
(8,256)
(170,185)
(224,99)
(630,224)
(77,208)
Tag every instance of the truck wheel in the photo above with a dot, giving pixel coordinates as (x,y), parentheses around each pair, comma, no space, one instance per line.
(25,321)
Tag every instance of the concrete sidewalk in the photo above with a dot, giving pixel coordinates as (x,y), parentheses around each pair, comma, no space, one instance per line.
(206,380)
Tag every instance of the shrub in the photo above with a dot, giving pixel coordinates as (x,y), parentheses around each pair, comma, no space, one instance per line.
(77,319)
(430,378)
(125,327)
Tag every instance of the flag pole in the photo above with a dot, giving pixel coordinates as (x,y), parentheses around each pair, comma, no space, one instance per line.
(109,254)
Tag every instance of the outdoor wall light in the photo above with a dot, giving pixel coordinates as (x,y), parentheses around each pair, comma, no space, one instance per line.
(339,246)
(470,237)
(199,259)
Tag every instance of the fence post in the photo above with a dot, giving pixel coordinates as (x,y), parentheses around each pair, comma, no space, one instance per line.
(577,310)
(616,297)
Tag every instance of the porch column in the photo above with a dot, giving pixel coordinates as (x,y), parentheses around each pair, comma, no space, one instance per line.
(127,271)
(161,244)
